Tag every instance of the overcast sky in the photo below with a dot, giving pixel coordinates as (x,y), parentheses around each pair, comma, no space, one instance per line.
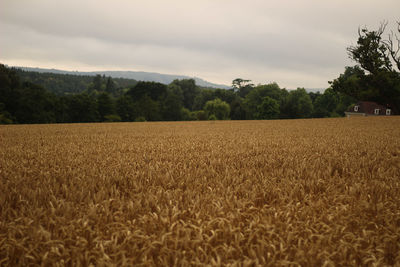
(296,43)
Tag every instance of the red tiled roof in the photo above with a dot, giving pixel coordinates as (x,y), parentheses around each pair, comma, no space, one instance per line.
(369,107)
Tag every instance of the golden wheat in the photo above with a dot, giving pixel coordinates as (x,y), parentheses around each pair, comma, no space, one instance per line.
(298,192)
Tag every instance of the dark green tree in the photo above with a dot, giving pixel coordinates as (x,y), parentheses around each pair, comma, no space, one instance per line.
(147,98)
(63,84)
(189,90)
(82,108)
(225,95)
(242,87)
(97,83)
(200,115)
(298,104)
(110,86)
(371,52)
(61,109)
(35,105)
(218,108)
(9,89)
(105,105)
(5,116)
(188,115)
(256,96)
(173,103)
(314,96)
(376,76)
(238,110)
(202,97)
(269,109)
(126,108)
(148,109)
(156,91)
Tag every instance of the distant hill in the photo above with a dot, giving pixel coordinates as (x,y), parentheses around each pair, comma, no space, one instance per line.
(62,83)
(315,90)
(311,90)
(135,75)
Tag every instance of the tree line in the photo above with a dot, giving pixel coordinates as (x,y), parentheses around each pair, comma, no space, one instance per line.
(102,100)
(64,84)
(25,98)
(376,76)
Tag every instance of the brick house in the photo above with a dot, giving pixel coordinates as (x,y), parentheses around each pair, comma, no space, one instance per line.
(368,108)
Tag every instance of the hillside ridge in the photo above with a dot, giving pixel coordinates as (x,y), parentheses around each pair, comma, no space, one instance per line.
(135,75)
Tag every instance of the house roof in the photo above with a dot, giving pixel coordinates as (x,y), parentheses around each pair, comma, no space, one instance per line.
(369,107)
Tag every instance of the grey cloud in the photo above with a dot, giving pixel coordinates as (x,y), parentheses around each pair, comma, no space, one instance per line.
(217,40)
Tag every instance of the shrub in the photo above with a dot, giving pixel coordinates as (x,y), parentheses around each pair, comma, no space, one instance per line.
(140,119)
(112,118)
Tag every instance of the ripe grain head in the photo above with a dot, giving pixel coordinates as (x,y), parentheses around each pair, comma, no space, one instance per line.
(294,192)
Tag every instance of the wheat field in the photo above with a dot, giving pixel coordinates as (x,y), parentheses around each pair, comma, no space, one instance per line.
(323,192)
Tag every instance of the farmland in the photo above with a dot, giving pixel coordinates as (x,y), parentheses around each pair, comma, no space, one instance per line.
(286,192)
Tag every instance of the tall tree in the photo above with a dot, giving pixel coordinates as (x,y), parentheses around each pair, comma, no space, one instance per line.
(105,105)
(82,108)
(149,109)
(173,103)
(268,109)
(126,108)
(97,83)
(256,96)
(189,89)
(371,52)
(35,105)
(110,86)
(393,46)
(218,108)
(298,104)
(154,90)
(9,89)
(242,87)
(202,97)
(376,76)
(238,109)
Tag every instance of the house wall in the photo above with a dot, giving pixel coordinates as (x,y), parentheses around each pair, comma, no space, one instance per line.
(354,114)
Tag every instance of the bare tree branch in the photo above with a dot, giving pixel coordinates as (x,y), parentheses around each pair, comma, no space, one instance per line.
(393,46)
(382,28)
